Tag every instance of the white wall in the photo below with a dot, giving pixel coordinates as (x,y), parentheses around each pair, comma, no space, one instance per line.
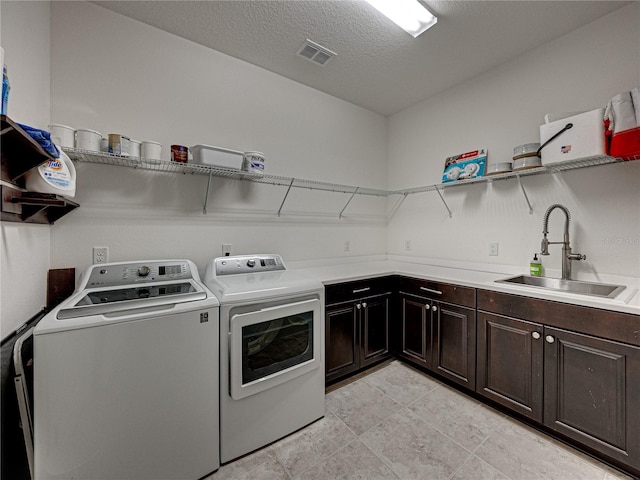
(499,110)
(113,74)
(25,254)
(116,75)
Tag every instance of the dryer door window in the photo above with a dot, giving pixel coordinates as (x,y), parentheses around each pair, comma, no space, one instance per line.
(273,345)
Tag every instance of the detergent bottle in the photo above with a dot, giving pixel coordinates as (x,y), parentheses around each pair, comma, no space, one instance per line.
(55,176)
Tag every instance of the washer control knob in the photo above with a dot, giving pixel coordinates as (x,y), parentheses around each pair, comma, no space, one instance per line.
(251,263)
(144,271)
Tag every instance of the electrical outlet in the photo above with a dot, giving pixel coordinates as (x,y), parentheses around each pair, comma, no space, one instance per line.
(347,245)
(100,254)
(407,245)
(493,249)
(226,249)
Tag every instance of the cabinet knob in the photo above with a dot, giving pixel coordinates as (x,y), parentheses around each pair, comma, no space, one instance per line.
(550,339)
(364,304)
(428,306)
(358,306)
(434,308)
(535,335)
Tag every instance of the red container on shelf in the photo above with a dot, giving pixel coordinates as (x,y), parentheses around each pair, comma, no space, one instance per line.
(179,153)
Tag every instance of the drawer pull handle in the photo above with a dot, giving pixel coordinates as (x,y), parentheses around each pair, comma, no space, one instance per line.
(360,290)
(437,292)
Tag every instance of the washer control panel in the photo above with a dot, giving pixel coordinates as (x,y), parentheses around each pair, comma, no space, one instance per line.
(108,275)
(248,264)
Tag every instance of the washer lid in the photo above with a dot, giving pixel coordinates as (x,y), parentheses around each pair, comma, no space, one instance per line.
(109,300)
(257,286)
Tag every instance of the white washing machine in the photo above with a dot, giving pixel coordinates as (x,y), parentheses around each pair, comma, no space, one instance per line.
(271,350)
(126,376)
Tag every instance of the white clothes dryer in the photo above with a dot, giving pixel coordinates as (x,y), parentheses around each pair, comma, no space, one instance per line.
(126,376)
(271,350)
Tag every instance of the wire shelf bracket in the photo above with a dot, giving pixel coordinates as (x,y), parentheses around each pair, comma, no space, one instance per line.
(286,195)
(398,204)
(444,201)
(206,195)
(524,192)
(348,202)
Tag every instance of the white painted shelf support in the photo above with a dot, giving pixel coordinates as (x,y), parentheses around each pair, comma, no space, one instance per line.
(206,195)
(348,202)
(524,192)
(285,196)
(397,206)
(444,201)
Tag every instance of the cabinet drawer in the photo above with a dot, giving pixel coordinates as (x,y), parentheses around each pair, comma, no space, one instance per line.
(344,292)
(621,327)
(444,292)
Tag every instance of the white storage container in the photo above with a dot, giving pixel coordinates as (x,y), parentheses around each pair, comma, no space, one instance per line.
(217,156)
(585,139)
(63,135)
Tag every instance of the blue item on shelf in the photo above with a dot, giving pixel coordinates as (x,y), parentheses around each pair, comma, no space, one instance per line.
(5,90)
(43,138)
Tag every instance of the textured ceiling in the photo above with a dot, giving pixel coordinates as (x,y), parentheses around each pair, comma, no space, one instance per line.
(379,66)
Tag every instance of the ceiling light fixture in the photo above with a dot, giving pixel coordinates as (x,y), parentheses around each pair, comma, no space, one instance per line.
(410,15)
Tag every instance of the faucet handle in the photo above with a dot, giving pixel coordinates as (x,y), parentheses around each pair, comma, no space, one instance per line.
(544,247)
(576,256)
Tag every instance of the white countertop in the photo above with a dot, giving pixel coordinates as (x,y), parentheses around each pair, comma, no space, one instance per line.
(471,275)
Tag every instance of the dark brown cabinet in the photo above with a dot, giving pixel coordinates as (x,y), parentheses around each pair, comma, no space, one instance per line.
(454,343)
(583,385)
(341,341)
(592,393)
(374,321)
(416,334)
(20,153)
(510,356)
(356,326)
(436,333)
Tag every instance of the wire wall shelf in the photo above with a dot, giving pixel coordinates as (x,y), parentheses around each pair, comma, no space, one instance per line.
(213,171)
(290,182)
(198,169)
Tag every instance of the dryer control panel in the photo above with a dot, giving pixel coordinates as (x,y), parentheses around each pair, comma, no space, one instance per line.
(248,264)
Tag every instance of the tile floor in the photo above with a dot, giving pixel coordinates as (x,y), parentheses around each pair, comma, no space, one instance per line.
(397,423)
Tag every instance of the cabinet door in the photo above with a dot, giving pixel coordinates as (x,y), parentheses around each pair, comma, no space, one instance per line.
(374,317)
(416,331)
(592,393)
(341,341)
(510,363)
(454,343)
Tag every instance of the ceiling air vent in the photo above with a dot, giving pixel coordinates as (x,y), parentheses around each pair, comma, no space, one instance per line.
(315,53)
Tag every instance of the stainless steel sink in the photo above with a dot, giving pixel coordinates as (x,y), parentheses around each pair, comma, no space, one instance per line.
(569,286)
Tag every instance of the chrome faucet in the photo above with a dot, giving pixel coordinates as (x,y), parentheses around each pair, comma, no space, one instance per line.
(567,256)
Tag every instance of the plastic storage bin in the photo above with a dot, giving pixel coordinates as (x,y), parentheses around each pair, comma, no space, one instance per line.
(217,156)
(585,139)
